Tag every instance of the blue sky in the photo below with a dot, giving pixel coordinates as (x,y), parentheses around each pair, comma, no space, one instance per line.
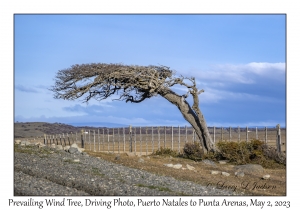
(239,60)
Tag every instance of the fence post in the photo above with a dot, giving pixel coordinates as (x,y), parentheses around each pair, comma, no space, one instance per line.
(146,140)
(124,139)
(266,136)
(130,136)
(278,139)
(256,133)
(229,133)
(247,131)
(90,140)
(135,140)
(172,138)
(140,141)
(165,137)
(239,133)
(69,139)
(178,138)
(82,141)
(108,140)
(94,142)
(152,139)
(45,139)
(99,141)
(158,133)
(103,138)
(113,140)
(118,141)
(221,133)
(64,138)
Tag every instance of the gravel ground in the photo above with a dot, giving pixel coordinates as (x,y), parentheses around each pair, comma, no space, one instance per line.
(46,171)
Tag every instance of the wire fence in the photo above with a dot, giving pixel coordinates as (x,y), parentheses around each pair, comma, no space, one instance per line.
(146,140)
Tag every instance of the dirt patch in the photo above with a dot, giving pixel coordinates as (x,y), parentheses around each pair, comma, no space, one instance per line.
(247,185)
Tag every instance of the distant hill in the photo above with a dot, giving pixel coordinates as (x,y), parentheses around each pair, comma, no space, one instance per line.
(34,129)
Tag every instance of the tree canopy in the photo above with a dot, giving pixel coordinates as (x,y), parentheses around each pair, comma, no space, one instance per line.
(134,84)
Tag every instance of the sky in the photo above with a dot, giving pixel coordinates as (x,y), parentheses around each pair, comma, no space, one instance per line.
(239,60)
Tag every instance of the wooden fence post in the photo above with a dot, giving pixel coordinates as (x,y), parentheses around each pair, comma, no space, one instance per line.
(82,141)
(124,139)
(140,141)
(130,136)
(118,141)
(68,139)
(214,134)
(278,139)
(178,138)
(221,133)
(229,133)
(113,140)
(172,138)
(158,134)
(152,139)
(90,140)
(165,137)
(135,140)
(247,132)
(146,140)
(266,135)
(64,139)
(107,139)
(256,133)
(94,142)
(99,141)
(103,139)
(239,133)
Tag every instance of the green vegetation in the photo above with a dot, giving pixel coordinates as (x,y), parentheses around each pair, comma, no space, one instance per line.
(254,151)
(32,150)
(95,171)
(192,151)
(166,152)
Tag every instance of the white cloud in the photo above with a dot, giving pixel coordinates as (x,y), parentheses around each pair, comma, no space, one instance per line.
(242,73)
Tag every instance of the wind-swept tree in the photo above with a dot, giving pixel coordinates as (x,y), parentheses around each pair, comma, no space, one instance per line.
(133,84)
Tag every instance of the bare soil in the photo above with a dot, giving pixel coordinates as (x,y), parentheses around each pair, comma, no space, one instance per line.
(247,185)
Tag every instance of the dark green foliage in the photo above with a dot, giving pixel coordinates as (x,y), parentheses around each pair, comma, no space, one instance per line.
(254,151)
(192,151)
(166,151)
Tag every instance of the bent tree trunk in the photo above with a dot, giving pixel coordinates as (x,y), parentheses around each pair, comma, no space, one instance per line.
(195,118)
(134,84)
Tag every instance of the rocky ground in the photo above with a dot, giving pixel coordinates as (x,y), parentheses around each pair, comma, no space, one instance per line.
(45,171)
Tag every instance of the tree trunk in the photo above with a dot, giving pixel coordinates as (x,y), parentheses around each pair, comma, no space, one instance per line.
(195,119)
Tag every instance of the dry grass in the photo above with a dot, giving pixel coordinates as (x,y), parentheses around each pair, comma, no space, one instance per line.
(276,185)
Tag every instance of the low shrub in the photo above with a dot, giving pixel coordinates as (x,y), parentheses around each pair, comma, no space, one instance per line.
(254,151)
(192,151)
(166,151)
